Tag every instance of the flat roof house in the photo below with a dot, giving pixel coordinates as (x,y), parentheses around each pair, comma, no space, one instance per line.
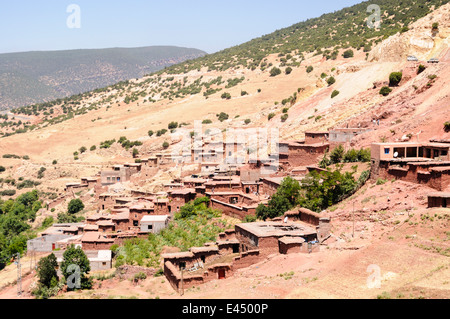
(154,223)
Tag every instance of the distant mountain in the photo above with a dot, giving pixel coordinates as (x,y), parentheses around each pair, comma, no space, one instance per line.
(34,77)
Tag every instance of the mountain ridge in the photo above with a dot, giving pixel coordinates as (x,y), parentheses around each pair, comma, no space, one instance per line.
(41,76)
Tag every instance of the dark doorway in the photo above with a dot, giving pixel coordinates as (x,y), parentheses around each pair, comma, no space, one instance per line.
(221,273)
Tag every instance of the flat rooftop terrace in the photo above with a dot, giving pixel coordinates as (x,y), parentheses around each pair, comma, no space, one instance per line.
(277,229)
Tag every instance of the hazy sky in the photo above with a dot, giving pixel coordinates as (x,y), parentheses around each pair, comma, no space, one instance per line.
(209,25)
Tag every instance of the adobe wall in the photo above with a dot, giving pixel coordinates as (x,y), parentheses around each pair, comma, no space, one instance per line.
(107,202)
(96,245)
(229,210)
(122,225)
(246,259)
(293,248)
(128,272)
(315,138)
(268,246)
(438,180)
(305,155)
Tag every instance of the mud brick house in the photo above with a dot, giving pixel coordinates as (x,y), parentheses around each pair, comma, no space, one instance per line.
(150,161)
(121,221)
(321,222)
(90,181)
(96,241)
(118,174)
(108,200)
(316,137)
(161,206)
(234,204)
(439,199)
(225,183)
(345,135)
(133,168)
(122,202)
(178,198)
(94,219)
(302,153)
(423,163)
(264,236)
(139,210)
(106,226)
(251,187)
(292,245)
(250,173)
(197,266)
(172,186)
(75,187)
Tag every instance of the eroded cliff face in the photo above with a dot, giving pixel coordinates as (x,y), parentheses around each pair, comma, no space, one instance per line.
(421,40)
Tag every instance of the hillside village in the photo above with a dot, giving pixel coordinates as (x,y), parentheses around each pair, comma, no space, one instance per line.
(369,163)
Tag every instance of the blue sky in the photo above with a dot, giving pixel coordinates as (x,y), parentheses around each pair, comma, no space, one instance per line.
(209,25)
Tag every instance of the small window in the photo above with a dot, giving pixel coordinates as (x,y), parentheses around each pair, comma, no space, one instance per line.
(149,227)
(387,151)
(104,263)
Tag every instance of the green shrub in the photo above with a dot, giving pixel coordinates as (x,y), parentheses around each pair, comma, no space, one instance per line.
(165,145)
(8,192)
(247,121)
(447,126)
(271,116)
(348,54)
(331,80)
(2,169)
(288,70)
(421,68)
(395,78)
(309,69)
(284,117)
(150,133)
(161,132)
(206,122)
(173,125)
(75,206)
(222,116)
(226,96)
(275,71)
(385,90)
(334,94)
